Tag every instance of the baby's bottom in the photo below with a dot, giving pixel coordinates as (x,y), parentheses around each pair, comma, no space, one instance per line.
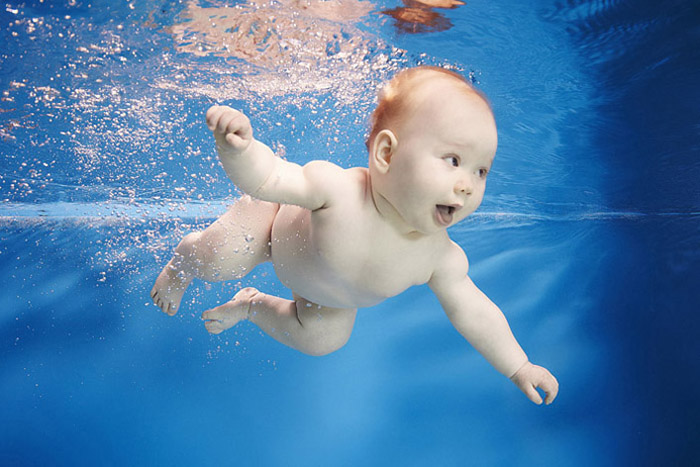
(230,248)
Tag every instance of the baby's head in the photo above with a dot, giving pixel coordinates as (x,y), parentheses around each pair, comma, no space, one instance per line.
(399,97)
(431,145)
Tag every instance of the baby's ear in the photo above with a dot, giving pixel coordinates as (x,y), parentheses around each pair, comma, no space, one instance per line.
(383,148)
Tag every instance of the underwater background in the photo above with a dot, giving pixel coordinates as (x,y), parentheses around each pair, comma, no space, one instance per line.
(588,237)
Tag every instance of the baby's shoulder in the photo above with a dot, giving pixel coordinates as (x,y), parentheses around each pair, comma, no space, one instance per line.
(334,180)
(328,172)
(450,260)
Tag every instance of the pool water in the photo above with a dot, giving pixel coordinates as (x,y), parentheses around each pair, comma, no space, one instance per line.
(588,237)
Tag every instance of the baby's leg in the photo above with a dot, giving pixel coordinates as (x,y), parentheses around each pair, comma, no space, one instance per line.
(300,324)
(228,249)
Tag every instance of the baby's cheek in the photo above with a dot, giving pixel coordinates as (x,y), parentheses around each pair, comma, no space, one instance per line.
(472,207)
(478,199)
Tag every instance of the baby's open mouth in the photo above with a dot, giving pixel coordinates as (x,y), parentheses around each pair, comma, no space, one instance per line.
(445,214)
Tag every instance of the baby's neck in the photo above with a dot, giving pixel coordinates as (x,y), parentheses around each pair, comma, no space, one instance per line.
(390,215)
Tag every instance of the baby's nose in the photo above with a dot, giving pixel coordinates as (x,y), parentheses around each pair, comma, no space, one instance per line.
(463,186)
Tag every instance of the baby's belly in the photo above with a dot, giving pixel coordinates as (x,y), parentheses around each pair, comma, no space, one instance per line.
(307,262)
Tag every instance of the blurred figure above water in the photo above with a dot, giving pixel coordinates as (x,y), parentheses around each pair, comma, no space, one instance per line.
(285,47)
(418,16)
(272,34)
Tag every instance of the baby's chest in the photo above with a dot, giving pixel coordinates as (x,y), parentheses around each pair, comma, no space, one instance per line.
(345,254)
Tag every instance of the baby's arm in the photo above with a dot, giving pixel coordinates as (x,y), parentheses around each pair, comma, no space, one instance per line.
(482,323)
(254,168)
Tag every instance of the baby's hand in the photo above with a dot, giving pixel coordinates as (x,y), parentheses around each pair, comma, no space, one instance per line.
(231,129)
(530,376)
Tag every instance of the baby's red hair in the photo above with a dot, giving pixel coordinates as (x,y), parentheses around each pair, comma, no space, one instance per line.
(396,98)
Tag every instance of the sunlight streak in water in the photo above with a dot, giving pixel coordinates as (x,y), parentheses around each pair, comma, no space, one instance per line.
(135,211)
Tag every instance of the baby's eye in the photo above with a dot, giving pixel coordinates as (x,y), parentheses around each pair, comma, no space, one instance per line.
(483,173)
(453,160)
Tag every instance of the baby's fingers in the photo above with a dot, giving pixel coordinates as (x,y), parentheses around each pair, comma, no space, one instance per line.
(532,393)
(235,123)
(530,377)
(227,120)
(550,386)
(214,115)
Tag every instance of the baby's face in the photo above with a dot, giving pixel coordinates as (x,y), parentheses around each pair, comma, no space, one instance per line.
(437,175)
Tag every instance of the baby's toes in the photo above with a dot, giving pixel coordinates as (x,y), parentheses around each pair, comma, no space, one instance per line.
(157,301)
(171,309)
(217,314)
(219,319)
(214,327)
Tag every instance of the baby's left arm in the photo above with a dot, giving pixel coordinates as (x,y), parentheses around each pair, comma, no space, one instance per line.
(483,324)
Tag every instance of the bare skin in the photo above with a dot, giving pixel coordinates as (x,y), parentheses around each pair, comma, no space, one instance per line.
(314,222)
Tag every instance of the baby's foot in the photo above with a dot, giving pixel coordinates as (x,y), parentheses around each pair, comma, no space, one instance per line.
(169,288)
(230,313)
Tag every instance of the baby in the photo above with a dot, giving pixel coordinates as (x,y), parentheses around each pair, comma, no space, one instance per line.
(347,238)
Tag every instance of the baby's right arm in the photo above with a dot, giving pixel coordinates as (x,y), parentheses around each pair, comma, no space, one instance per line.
(255,169)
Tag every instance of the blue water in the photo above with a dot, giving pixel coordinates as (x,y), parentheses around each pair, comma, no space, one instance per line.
(588,238)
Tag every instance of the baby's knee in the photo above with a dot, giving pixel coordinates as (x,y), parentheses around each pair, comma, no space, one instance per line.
(208,260)
(325,345)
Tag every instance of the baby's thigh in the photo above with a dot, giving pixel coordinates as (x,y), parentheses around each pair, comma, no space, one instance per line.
(244,229)
(331,324)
